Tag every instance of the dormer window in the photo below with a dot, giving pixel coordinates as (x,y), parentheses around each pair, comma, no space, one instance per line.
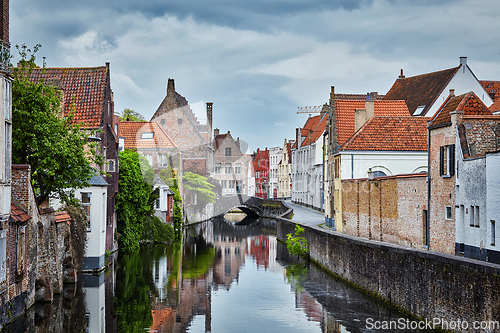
(419,110)
(147,135)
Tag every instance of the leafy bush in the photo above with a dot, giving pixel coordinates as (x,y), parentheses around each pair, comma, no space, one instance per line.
(155,230)
(296,244)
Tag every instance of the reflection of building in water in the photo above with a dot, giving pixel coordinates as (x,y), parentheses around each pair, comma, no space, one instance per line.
(230,256)
(263,249)
(93,287)
(160,276)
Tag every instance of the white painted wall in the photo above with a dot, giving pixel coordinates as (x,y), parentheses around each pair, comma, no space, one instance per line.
(463,82)
(96,238)
(275,154)
(493,196)
(355,164)
(96,306)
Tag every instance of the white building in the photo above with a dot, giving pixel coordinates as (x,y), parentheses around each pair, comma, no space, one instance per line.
(93,199)
(275,155)
(307,163)
(285,171)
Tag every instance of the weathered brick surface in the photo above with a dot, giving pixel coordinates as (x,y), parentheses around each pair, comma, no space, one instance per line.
(425,283)
(388,209)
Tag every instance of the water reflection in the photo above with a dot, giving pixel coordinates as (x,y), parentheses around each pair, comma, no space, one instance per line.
(223,277)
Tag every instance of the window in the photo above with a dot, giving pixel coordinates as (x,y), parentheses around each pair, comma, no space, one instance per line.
(425,221)
(378,174)
(228,151)
(474,216)
(492,225)
(239,187)
(149,157)
(224,186)
(447,161)
(163,160)
(7,99)
(448,213)
(116,129)
(162,121)
(228,168)
(237,168)
(147,135)
(217,168)
(257,174)
(179,121)
(86,204)
(419,110)
(231,186)
(111,165)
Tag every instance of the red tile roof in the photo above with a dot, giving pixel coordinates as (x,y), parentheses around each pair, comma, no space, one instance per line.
(492,88)
(495,107)
(83,87)
(17,214)
(469,103)
(62,217)
(133,132)
(345,110)
(390,134)
(421,89)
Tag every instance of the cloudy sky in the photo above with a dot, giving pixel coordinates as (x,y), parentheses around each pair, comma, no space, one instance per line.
(258,60)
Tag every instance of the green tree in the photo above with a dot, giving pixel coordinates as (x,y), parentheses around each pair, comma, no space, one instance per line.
(59,151)
(132,201)
(199,185)
(131,115)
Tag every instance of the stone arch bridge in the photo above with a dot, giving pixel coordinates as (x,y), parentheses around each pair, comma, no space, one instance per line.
(252,206)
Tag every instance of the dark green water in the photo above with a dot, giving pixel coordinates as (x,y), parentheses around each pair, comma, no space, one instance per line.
(224,277)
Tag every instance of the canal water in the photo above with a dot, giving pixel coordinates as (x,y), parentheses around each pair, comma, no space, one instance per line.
(223,277)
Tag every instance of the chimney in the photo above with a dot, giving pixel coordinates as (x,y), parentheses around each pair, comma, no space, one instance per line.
(359,118)
(4,20)
(369,107)
(452,92)
(332,93)
(170,86)
(401,76)
(216,132)
(209,115)
(297,136)
(463,61)
(238,142)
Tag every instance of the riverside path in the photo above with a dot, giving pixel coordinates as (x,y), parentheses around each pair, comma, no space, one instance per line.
(305,215)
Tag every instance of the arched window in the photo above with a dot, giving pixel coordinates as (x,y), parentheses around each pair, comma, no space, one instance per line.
(379,174)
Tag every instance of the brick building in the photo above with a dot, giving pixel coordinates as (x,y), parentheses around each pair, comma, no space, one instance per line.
(193,137)
(260,163)
(463,134)
(230,167)
(87,93)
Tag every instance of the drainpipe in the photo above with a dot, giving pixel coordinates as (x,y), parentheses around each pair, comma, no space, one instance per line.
(427,225)
(352,166)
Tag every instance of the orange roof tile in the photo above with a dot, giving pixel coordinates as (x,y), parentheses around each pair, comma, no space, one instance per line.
(133,131)
(495,107)
(469,103)
(345,110)
(17,214)
(492,88)
(83,87)
(62,217)
(390,134)
(421,90)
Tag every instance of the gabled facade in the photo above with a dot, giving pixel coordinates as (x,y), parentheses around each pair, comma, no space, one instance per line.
(193,137)
(307,163)
(230,165)
(461,134)
(425,93)
(285,171)
(275,154)
(260,162)
(87,92)
(149,139)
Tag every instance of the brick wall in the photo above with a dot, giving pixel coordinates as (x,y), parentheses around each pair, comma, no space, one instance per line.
(388,209)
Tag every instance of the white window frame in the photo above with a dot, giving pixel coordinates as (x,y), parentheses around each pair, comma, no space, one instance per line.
(217,168)
(237,168)
(3,255)
(227,168)
(448,214)
(147,135)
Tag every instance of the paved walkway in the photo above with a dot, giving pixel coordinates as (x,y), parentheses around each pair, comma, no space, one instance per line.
(305,215)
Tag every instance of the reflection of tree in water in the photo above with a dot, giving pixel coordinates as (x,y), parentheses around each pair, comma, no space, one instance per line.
(132,296)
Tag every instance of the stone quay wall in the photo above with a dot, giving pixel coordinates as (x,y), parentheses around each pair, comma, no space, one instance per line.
(422,283)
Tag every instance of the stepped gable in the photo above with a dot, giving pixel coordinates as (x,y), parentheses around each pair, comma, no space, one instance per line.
(421,89)
(390,134)
(469,103)
(133,133)
(492,88)
(83,89)
(345,113)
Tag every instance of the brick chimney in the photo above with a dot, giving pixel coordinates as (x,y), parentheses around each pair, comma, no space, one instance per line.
(21,185)
(401,76)
(297,136)
(4,21)
(170,87)
(216,132)
(452,92)
(209,119)
(463,61)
